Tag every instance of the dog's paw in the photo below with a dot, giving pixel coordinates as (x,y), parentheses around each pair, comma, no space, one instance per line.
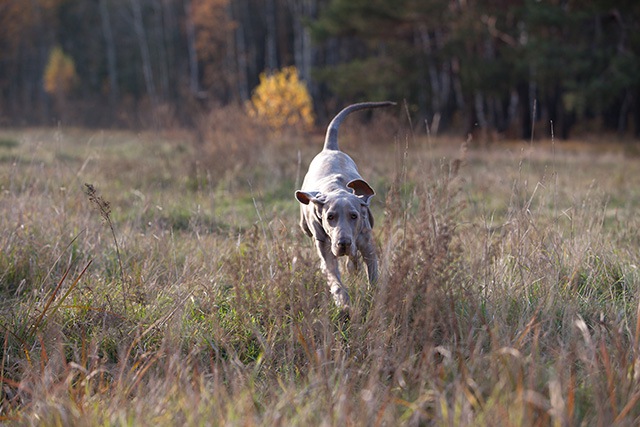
(344,317)
(353,265)
(341,297)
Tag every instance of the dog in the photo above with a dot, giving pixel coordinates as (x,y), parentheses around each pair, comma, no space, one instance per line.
(334,209)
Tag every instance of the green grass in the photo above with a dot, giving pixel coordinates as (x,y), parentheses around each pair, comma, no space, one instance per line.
(508,292)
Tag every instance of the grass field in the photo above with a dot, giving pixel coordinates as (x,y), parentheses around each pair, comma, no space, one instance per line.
(178,289)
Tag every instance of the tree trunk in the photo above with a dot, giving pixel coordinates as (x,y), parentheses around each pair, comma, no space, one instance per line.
(143,45)
(33,84)
(624,113)
(636,113)
(241,53)
(481,116)
(160,42)
(112,66)
(271,59)
(194,72)
(245,52)
(439,76)
(303,51)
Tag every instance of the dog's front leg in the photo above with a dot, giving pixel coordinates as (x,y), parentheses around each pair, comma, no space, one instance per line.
(331,269)
(354,263)
(367,248)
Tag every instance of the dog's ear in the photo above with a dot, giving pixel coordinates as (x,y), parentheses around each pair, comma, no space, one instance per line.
(305,197)
(318,200)
(370,217)
(361,189)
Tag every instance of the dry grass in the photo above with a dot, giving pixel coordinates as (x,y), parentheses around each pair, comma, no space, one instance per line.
(508,294)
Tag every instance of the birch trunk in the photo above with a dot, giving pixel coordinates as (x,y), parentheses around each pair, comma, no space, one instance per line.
(143,44)
(194,72)
(303,51)
(271,59)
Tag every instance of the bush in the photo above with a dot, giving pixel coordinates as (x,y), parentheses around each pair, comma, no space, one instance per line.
(282,100)
(60,73)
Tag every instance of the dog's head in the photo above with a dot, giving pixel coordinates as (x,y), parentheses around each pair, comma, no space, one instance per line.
(341,215)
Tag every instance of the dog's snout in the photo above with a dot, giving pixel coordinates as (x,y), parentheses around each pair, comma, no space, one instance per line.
(344,243)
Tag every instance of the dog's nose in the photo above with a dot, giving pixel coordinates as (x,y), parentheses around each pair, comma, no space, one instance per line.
(344,243)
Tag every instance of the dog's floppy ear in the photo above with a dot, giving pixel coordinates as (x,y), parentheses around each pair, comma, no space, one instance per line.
(314,224)
(305,197)
(370,217)
(361,189)
(318,199)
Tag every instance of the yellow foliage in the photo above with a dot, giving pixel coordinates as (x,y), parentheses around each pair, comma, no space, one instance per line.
(60,73)
(282,100)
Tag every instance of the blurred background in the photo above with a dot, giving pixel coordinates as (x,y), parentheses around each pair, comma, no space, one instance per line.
(462,66)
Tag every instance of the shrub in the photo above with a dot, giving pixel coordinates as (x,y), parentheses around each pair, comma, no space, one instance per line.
(282,100)
(60,73)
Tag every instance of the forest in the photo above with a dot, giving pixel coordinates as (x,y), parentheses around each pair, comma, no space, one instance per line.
(462,66)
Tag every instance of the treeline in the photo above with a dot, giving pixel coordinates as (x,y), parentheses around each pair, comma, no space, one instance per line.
(494,66)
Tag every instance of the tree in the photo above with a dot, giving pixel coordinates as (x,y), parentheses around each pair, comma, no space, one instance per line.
(59,74)
(112,65)
(214,27)
(26,34)
(59,79)
(282,101)
(461,65)
(392,49)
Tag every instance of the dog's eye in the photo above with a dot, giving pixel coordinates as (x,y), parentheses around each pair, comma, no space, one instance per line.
(354,216)
(330,217)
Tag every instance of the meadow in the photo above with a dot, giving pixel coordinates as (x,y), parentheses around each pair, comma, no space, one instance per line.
(161,279)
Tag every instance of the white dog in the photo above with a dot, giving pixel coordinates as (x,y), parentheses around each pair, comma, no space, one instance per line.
(335,211)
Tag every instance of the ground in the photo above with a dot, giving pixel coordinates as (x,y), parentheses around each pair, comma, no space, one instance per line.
(181,290)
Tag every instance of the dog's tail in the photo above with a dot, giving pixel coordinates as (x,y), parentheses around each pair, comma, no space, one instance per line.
(331,139)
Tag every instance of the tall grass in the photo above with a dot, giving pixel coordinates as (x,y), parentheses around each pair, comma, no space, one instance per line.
(508,291)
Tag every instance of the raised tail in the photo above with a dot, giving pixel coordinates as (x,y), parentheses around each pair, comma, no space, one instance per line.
(331,139)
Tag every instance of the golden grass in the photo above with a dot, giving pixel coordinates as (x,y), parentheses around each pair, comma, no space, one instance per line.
(508,293)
